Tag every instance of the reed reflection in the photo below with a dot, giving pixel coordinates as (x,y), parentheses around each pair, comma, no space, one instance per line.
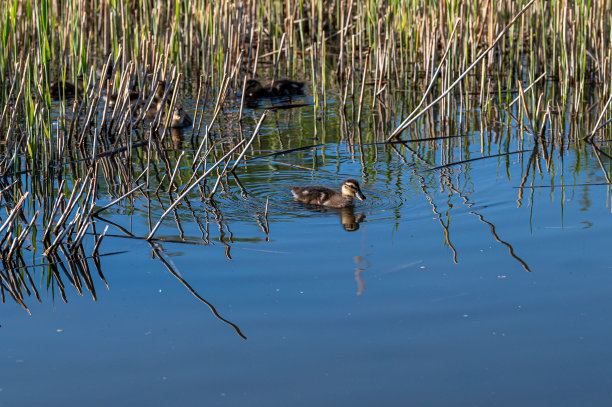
(61,269)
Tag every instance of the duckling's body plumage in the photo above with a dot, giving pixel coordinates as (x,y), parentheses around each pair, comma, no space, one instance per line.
(157,103)
(136,100)
(57,90)
(283,87)
(132,98)
(323,196)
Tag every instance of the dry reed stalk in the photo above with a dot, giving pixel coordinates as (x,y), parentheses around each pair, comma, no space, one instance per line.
(255,133)
(80,233)
(191,187)
(17,102)
(526,111)
(24,233)
(363,81)
(528,88)
(58,238)
(13,213)
(197,123)
(463,75)
(408,120)
(278,57)
(122,197)
(74,196)
(244,81)
(176,167)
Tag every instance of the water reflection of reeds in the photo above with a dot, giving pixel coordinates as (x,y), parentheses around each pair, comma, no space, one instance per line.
(19,276)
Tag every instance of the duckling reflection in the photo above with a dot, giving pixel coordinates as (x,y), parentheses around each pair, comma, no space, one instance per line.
(350,222)
(323,196)
(177,138)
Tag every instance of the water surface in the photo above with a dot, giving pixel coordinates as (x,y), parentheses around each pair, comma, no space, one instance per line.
(447,286)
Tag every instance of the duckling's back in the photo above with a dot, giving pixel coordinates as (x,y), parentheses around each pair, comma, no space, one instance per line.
(319,195)
(286,87)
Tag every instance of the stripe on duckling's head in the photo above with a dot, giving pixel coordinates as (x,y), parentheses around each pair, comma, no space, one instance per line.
(350,187)
(252,88)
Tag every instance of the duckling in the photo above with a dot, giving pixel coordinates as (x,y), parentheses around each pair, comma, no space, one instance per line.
(318,195)
(180,119)
(112,99)
(57,90)
(157,103)
(134,95)
(109,71)
(284,87)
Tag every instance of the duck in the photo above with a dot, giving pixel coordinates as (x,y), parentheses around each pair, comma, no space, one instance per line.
(180,119)
(323,196)
(284,87)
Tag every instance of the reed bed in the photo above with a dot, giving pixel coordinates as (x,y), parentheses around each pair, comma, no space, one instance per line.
(401,72)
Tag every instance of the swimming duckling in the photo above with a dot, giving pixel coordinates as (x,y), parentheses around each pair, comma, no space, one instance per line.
(113,99)
(133,97)
(180,119)
(318,195)
(57,90)
(284,87)
(109,72)
(157,103)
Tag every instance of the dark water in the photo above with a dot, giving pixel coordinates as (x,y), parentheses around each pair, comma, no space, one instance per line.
(445,287)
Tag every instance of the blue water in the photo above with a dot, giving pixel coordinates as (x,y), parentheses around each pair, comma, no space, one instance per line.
(382,314)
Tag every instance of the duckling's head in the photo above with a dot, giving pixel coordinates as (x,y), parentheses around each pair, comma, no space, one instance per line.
(160,89)
(252,88)
(180,118)
(350,187)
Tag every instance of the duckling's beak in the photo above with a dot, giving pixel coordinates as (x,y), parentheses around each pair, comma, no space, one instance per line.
(360,195)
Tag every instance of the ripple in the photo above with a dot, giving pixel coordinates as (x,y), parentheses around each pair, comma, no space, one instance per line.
(275,186)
